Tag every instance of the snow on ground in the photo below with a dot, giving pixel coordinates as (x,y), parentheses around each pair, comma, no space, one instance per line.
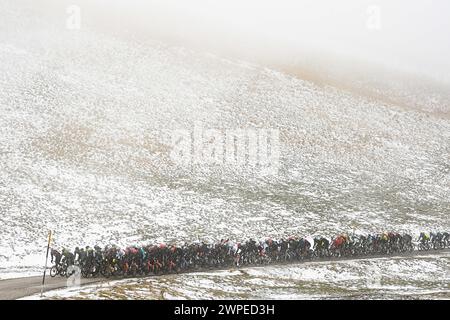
(85,127)
(421,277)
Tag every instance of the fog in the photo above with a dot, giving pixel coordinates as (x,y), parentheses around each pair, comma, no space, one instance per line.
(318,35)
(411,36)
(89,102)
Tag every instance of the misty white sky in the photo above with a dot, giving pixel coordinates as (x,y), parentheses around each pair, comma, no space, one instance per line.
(413,35)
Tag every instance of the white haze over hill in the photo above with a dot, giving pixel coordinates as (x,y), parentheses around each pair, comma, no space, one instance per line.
(406,35)
(388,50)
(85,122)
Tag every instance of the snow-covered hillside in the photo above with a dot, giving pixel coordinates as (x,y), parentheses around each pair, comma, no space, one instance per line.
(85,124)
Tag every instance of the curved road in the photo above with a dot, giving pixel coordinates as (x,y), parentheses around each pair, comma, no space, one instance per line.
(22,287)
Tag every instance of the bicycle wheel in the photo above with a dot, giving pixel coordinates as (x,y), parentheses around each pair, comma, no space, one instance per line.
(53,271)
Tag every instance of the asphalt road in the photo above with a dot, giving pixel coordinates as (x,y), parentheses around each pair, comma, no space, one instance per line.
(16,288)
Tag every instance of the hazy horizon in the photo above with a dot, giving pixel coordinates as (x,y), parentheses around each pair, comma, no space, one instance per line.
(408,36)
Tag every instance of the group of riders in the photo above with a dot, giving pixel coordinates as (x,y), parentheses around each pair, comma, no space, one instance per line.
(163,259)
